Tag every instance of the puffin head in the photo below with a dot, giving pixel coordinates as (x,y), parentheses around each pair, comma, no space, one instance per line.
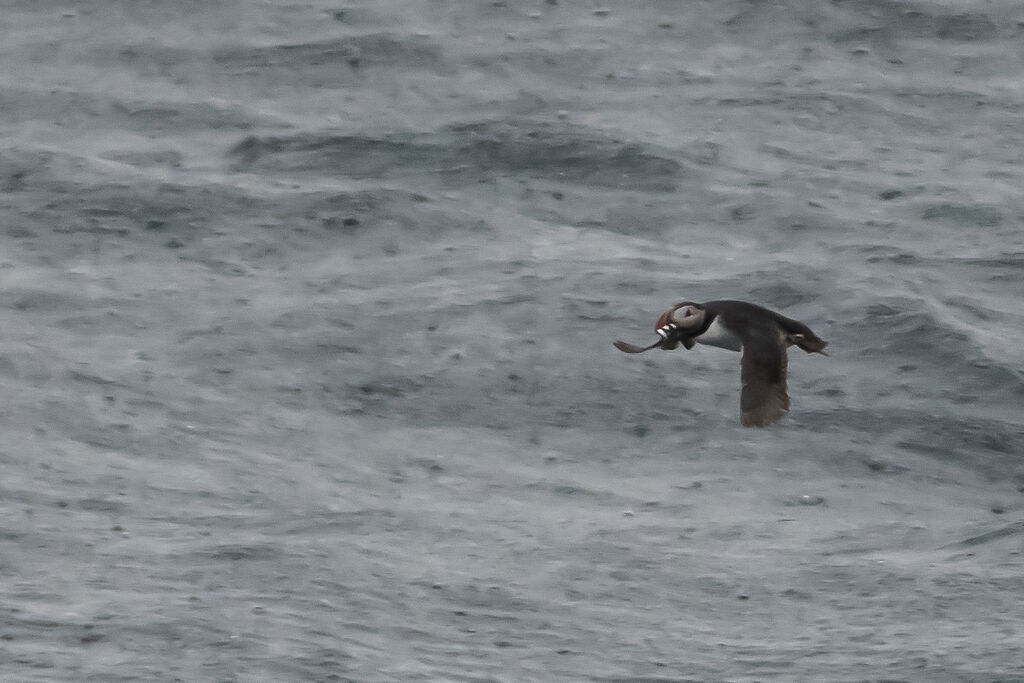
(688,315)
(677,325)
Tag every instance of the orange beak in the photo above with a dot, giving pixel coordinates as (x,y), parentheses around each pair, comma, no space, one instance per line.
(664,319)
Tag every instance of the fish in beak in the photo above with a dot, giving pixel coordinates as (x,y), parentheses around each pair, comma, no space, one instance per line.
(671,337)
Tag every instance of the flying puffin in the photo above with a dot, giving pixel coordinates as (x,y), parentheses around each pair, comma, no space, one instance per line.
(760,334)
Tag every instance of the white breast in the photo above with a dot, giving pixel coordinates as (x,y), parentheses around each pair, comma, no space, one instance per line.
(717,335)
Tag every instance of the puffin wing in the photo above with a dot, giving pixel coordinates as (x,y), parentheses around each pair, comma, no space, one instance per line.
(763,399)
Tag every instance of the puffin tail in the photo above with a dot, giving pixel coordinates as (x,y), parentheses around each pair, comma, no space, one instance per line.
(809,342)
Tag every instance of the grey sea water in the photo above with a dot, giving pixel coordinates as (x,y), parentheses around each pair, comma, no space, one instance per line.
(306,324)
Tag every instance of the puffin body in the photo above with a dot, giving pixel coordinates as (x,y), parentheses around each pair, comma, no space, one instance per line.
(761,335)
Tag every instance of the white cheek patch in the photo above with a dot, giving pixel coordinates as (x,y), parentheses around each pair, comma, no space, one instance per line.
(683,319)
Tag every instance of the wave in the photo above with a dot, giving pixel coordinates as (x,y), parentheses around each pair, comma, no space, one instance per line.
(301,59)
(561,152)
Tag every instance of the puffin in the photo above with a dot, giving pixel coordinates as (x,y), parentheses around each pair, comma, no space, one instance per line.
(760,334)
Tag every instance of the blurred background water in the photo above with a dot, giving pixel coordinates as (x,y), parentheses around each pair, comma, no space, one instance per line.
(306,340)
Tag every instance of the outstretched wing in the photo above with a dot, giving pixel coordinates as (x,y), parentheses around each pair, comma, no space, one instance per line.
(763,399)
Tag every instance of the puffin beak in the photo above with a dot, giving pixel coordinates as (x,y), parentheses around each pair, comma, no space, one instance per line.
(669,331)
